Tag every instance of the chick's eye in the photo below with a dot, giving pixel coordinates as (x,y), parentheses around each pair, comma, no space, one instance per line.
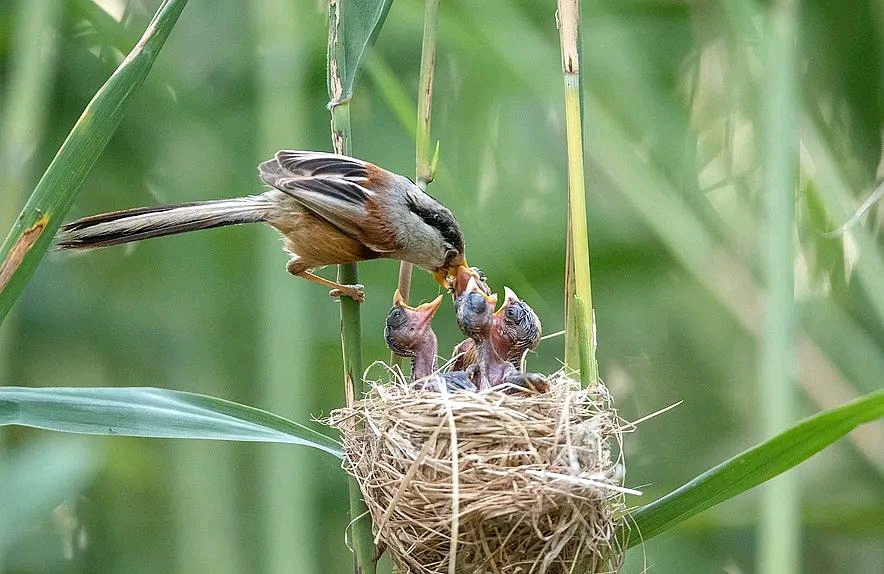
(512,313)
(395,318)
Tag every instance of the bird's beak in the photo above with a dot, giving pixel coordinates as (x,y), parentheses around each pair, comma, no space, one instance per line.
(425,310)
(431,307)
(443,278)
(473,285)
(447,278)
(509,297)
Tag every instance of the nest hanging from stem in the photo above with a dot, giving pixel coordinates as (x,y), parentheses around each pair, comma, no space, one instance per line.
(490,482)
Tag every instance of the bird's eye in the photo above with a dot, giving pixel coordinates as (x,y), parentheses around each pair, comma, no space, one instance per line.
(512,313)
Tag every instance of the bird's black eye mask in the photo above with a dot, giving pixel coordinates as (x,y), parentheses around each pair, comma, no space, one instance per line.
(444,222)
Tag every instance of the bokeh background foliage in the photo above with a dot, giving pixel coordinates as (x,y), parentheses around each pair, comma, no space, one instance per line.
(674,96)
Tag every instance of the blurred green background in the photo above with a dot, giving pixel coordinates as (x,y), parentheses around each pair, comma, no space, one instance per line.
(672,94)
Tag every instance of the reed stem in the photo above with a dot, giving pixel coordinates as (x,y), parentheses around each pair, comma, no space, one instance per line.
(779,534)
(364,552)
(423,158)
(579,316)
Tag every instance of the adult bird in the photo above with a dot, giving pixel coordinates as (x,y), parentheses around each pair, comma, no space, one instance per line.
(329,209)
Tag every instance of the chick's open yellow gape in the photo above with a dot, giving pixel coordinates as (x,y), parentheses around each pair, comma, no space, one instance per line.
(485,467)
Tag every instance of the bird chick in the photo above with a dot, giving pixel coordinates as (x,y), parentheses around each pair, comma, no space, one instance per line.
(474,310)
(515,330)
(462,277)
(494,336)
(408,333)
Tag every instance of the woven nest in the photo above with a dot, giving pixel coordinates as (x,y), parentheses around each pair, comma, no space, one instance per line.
(489,482)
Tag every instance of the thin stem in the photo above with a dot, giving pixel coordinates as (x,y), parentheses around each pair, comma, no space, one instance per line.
(351,346)
(579,317)
(423,158)
(779,535)
(364,552)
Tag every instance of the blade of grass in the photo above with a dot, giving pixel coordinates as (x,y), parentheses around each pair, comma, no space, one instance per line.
(778,535)
(839,201)
(151,412)
(423,158)
(579,316)
(357,25)
(751,468)
(41,217)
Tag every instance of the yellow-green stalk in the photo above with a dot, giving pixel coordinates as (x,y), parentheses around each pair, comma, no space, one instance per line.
(351,323)
(579,317)
(424,163)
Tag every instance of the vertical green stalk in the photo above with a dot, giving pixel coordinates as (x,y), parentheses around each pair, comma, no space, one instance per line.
(289,517)
(351,324)
(579,318)
(779,533)
(423,160)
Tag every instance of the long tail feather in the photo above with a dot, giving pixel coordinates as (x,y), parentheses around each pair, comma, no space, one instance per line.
(145,222)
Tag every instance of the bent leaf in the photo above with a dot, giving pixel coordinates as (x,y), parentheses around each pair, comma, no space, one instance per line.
(151,412)
(41,217)
(752,467)
(357,24)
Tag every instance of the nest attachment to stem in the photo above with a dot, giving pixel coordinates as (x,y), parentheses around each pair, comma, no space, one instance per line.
(489,482)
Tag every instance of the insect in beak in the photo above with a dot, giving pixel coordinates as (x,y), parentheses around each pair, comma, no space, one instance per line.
(447,277)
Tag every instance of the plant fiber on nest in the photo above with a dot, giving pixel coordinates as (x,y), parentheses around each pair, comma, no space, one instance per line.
(489,482)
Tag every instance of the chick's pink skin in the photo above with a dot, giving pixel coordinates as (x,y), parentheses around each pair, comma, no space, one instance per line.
(416,334)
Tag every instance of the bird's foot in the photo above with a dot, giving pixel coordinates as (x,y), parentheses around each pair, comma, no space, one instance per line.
(355,292)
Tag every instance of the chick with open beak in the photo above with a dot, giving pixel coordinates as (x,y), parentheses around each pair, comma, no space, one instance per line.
(515,330)
(497,336)
(408,333)
(474,310)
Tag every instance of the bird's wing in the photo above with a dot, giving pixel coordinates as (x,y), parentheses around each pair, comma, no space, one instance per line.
(334,187)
